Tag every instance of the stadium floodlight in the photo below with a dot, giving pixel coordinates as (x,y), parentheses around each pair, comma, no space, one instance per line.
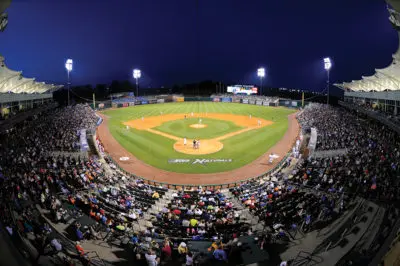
(137,75)
(68,67)
(261,75)
(327,66)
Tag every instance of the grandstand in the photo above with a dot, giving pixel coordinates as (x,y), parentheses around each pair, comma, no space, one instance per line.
(18,93)
(65,200)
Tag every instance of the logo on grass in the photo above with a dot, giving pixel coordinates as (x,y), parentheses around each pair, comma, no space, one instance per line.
(199,161)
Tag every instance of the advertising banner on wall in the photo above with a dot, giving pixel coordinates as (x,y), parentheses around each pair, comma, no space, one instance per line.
(226,100)
(294,103)
(259,102)
(252,102)
(236,100)
(145,102)
(287,103)
(265,103)
(153,101)
(131,104)
(138,103)
(160,101)
(245,101)
(125,104)
(180,99)
(216,100)
(101,105)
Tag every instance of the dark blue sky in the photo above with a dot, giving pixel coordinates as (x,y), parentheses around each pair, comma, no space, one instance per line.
(179,41)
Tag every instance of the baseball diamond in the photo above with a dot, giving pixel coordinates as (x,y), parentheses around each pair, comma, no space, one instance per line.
(233,137)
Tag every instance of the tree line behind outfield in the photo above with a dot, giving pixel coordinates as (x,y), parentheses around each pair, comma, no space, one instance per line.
(102,92)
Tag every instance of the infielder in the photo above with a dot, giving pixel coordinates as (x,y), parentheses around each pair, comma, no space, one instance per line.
(184,141)
(200,121)
(142,118)
(259,122)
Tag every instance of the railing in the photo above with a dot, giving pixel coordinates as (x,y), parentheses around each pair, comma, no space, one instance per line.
(183,186)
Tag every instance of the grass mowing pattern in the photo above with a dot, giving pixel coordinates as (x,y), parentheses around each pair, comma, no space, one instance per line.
(215,128)
(156,150)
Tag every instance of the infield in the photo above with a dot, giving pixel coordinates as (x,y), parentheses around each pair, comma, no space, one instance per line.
(235,137)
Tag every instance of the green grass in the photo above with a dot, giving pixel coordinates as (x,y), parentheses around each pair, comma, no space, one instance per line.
(157,150)
(215,128)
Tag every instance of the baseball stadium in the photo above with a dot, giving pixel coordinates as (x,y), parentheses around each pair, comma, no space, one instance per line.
(216,174)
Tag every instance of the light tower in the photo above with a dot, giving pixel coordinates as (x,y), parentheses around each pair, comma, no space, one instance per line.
(327,66)
(68,67)
(136,75)
(261,75)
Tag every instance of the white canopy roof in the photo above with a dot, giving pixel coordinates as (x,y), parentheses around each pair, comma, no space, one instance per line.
(385,79)
(13,81)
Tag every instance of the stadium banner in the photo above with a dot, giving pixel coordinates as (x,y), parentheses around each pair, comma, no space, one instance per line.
(153,101)
(160,101)
(265,103)
(180,99)
(138,103)
(132,104)
(83,140)
(272,104)
(226,100)
(216,100)
(245,101)
(235,100)
(259,102)
(101,105)
(119,105)
(294,104)
(145,102)
(114,105)
(198,161)
(252,101)
(99,120)
(125,104)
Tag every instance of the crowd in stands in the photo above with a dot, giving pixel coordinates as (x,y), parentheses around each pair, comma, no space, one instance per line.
(370,167)
(116,204)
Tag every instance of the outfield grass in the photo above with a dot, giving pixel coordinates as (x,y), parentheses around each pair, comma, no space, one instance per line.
(215,128)
(157,150)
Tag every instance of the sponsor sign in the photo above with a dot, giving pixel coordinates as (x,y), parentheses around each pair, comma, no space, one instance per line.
(125,104)
(252,102)
(265,103)
(216,100)
(180,99)
(160,101)
(226,100)
(236,100)
(258,102)
(132,104)
(198,161)
(145,102)
(245,101)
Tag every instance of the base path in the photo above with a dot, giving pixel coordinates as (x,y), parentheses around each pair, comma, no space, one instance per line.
(251,170)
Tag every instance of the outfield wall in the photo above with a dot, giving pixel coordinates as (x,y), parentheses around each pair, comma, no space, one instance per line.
(253,100)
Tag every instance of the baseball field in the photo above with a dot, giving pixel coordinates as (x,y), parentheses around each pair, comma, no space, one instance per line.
(229,135)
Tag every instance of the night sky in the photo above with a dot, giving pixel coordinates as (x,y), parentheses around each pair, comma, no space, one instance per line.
(180,41)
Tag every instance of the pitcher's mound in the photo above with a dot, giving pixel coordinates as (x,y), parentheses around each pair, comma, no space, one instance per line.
(198,126)
(207,146)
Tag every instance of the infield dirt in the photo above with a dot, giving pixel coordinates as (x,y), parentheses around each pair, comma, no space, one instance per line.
(253,169)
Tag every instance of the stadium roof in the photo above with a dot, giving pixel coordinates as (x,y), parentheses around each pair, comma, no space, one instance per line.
(13,81)
(385,79)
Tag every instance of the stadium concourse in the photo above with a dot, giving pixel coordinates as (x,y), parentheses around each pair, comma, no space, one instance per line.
(60,204)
